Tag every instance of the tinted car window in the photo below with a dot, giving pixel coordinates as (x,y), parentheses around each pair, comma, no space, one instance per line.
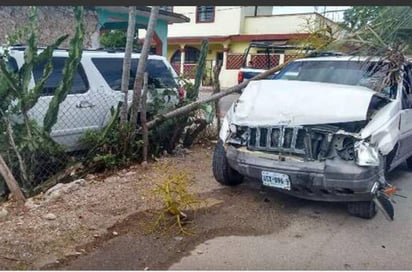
(11,64)
(111,69)
(369,75)
(80,83)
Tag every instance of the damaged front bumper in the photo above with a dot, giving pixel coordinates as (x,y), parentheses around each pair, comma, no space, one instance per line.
(328,180)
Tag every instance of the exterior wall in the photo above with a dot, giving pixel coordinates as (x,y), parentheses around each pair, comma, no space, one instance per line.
(261,10)
(278,24)
(238,47)
(57,20)
(227,22)
(241,19)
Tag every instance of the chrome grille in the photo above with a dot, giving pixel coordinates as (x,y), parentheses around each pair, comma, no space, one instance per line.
(279,138)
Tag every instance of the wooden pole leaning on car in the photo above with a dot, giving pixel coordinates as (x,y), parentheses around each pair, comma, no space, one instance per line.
(192,106)
(11,182)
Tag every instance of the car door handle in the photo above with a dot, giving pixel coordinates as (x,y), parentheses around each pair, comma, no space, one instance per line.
(84,104)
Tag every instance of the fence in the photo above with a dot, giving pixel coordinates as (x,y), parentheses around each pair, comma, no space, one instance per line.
(33,155)
(189,71)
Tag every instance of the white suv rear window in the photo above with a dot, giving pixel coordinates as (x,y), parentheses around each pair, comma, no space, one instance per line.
(111,69)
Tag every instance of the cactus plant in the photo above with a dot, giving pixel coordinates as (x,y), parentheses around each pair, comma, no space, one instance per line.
(69,69)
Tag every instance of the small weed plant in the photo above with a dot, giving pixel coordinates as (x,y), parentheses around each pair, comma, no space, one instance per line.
(173,192)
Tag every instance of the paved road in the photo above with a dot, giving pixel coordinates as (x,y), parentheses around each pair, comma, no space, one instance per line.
(320,236)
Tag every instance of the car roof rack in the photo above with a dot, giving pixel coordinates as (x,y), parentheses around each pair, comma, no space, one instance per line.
(22,47)
(316,54)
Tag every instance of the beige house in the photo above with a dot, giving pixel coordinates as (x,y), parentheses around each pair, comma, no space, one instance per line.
(229,30)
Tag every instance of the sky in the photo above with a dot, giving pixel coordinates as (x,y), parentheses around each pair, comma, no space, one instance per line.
(332,12)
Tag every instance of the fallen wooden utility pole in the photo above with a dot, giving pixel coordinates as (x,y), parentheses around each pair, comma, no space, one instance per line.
(11,182)
(192,106)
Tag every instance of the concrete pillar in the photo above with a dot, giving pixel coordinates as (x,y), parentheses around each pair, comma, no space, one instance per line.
(182,58)
(225,50)
(281,59)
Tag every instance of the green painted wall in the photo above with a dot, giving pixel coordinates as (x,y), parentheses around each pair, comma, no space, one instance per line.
(141,23)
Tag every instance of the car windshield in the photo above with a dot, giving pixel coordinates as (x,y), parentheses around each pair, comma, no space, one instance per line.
(371,74)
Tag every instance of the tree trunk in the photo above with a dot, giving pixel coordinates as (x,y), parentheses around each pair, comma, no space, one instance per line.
(22,165)
(127,61)
(216,89)
(192,106)
(145,132)
(141,67)
(11,182)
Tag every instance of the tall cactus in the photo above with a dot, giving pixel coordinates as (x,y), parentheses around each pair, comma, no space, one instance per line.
(199,71)
(15,87)
(69,70)
(18,86)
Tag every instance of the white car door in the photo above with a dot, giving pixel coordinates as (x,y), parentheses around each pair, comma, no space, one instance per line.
(84,108)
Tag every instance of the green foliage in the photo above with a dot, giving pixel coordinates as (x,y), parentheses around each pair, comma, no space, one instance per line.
(110,148)
(40,155)
(357,17)
(69,69)
(377,29)
(116,39)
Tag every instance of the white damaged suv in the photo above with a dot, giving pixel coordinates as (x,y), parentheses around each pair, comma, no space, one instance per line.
(327,129)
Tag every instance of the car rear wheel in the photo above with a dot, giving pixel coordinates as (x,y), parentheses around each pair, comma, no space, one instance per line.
(363,209)
(223,173)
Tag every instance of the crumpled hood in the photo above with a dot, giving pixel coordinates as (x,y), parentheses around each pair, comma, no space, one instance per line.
(284,102)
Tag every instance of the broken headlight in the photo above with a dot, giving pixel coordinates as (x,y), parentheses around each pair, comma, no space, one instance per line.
(366,154)
(238,135)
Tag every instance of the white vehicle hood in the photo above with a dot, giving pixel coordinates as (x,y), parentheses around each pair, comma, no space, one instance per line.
(284,102)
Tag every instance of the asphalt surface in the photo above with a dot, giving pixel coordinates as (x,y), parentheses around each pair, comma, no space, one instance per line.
(318,236)
(321,236)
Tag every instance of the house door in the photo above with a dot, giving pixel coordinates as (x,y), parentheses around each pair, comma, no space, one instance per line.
(219,57)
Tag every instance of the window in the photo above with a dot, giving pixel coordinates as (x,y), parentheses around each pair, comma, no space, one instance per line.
(167,8)
(111,69)
(80,83)
(191,55)
(205,14)
(11,64)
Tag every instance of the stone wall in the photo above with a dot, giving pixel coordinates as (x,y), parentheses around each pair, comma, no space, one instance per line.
(53,21)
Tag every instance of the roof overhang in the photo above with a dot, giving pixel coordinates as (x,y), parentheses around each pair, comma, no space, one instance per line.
(144,11)
(241,37)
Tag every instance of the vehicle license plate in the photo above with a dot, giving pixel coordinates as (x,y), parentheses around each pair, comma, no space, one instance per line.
(275,180)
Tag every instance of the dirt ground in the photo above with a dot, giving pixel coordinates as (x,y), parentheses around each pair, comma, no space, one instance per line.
(53,231)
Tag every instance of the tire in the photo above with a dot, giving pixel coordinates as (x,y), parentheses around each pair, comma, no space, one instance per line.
(409,162)
(363,209)
(223,173)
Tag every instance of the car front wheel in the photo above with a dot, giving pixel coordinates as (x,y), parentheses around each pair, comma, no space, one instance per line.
(363,209)
(224,174)
(409,162)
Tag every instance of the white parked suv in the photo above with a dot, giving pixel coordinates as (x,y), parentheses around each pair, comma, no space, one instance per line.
(95,90)
(327,129)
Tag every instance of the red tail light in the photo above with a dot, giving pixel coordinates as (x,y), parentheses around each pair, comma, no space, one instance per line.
(239,77)
(182,93)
